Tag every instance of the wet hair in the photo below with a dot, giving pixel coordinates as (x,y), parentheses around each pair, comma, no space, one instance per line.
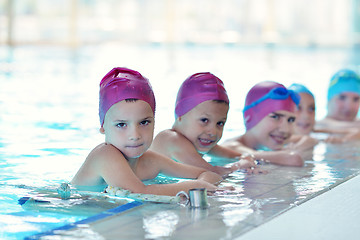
(221,101)
(131,100)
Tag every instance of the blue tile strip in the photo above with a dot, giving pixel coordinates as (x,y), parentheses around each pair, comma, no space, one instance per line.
(88,220)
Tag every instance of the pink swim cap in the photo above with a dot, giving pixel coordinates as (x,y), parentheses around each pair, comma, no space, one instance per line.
(120,84)
(267,97)
(198,88)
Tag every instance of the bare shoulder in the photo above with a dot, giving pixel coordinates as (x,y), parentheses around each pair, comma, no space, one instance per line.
(103,151)
(167,140)
(103,156)
(90,172)
(152,157)
(166,135)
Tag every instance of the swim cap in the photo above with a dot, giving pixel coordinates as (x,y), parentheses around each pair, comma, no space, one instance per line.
(120,84)
(299,88)
(344,80)
(198,88)
(267,97)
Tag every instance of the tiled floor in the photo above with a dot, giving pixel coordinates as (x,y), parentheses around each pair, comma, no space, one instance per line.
(253,206)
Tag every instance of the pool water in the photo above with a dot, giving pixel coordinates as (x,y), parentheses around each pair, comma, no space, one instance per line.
(49,123)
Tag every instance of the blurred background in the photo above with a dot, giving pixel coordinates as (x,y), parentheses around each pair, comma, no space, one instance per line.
(333,23)
(53,54)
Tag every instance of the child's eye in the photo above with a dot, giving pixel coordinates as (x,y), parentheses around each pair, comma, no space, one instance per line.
(275,116)
(356,99)
(291,119)
(221,123)
(121,125)
(145,122)
(204,120)
(342,97)
(311,109)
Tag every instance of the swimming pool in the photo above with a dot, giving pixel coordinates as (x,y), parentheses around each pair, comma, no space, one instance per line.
(49,123)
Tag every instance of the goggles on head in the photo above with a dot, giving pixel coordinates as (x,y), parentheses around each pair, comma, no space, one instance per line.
(276,94)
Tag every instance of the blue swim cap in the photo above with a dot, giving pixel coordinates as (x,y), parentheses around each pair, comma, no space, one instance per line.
(344,80)
(299,88)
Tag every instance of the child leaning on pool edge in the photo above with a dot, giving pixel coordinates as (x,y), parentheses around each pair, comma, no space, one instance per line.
(201,111)
(305,120)
(126,110)
(269,115)
(343,101)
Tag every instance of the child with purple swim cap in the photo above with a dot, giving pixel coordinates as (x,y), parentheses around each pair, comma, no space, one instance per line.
(126,110)
(201,111)
(269,116)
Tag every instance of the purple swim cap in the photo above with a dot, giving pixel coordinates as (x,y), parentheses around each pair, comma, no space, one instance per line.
(120,84)
(198,88)
(267,97)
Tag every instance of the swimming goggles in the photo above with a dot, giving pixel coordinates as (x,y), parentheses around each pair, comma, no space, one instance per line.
(276,94)
(344,75)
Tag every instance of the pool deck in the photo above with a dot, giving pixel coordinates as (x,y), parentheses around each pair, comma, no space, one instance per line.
(332,215)
(317,201)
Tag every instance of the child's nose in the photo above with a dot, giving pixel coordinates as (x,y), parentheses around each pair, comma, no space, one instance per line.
(211,131)
(134,134)
(285,127)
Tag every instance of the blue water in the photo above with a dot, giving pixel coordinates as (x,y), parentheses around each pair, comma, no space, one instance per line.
(49,101)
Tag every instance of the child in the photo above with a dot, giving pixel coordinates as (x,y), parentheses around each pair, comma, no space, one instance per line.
(126,109)
(343,101)
(305,119)
(201,110)
(305,111)
(269,115)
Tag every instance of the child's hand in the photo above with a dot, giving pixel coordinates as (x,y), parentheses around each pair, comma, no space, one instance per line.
(246,161)
(221,190)
(334,139)
(253,170)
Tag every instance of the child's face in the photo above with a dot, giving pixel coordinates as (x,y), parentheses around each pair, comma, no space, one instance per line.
(204,124)
(129,126)
(274,130)
(305,115)
(344,106)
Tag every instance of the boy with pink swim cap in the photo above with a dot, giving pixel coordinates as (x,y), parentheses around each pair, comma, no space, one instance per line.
(201,111)
(269,115)
(126,110)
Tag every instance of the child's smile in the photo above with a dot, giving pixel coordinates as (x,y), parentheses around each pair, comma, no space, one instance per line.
(274,130)
(206,142)
(203,125)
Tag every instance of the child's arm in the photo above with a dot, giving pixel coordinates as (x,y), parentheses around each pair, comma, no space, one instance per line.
(176,146)
(282,157)
(343,135)
(176,169)
(245,159)
(332,125)
(111,165)
(301,143)
(159,163)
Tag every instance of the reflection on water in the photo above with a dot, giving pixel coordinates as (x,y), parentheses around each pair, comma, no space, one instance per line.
(162,224)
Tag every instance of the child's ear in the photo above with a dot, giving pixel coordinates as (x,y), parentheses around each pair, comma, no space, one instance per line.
(102,130)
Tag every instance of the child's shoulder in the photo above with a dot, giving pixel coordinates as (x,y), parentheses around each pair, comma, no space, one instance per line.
(104,151)
(167,135)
